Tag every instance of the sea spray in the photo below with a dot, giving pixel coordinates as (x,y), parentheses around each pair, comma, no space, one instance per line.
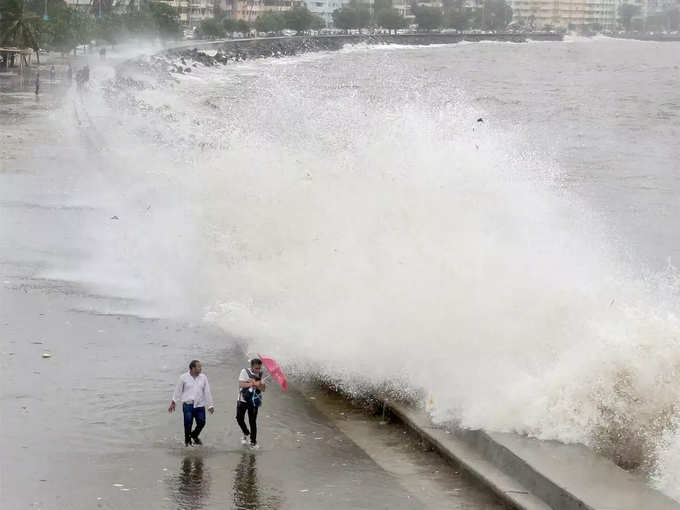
(366,228)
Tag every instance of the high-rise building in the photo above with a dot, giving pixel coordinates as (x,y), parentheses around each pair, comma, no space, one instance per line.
(567,14)
(653,7)
(249,10)
(192,12)
(403,7)
(325,8)
(83,5)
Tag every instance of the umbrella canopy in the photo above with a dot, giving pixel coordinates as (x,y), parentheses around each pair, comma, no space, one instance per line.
(275,370)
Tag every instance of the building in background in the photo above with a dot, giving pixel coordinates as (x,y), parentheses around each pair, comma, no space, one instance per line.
(249,10)
(325,8)
(192,12)
(567,14)
(660,7)
(403,7)
(83,5)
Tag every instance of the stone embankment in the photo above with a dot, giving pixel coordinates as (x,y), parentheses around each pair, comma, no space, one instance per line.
(650,37)
(222,52)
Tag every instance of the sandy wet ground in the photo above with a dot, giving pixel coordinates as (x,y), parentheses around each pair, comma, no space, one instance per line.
(88,426)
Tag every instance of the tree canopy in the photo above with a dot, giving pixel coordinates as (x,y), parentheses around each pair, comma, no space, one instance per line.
(270,22)
(211,28)
(299,19)
(390,19)
(428,18)
(626,13)
(166,19)
(242,26)
(382,4)
(19,26)
(69,28)
(109,28)
(460,19)
(353,16)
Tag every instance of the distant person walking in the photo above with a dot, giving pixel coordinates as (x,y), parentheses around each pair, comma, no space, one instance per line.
(249,400)
(193,391)
(53,73)
(37,83)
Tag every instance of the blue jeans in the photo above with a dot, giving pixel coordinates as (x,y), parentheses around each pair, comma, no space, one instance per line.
(192,413)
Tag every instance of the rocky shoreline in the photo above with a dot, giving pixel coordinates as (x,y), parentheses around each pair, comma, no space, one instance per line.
(223,52)
(650,37)
(148,71)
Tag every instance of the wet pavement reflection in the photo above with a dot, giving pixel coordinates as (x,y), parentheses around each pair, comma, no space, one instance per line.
(190,488)
(247,493)
(192,484)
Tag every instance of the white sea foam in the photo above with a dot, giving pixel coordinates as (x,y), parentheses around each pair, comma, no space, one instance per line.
(373,232)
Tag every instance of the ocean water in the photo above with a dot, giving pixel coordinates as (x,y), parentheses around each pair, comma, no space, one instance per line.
(490,228)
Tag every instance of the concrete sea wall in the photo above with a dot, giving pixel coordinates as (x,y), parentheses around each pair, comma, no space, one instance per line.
(530,474)
(242,49)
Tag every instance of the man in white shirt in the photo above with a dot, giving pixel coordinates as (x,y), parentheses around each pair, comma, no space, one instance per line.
(193,391)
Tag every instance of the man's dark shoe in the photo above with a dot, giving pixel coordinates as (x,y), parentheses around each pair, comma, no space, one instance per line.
(197,441)
(187,442)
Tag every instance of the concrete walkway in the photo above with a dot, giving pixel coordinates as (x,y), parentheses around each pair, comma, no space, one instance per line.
(530,474)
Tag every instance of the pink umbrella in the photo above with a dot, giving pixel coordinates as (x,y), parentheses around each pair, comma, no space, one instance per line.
(275,370)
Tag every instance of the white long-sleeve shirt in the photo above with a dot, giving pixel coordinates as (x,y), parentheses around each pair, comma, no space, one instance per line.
(193,390)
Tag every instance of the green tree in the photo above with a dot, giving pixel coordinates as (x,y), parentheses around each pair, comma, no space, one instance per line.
(270,22)
(390,19)
(353,16)
(318,22)
(152,19)
(139,22)
(673,16)
(363,16)
(428,18)
(229,25)
(495,15)
(378,5)
(19,26)
(626,13)
(458,19)
(38,6)
(344,18)
(69,28)
(531,22)
(99,7)
(109,28)
(456,15)
(299,19)
(62,34)
(242,26)
(211,28)
(166,19)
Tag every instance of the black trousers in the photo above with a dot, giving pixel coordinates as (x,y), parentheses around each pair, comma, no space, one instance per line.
(241,409)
